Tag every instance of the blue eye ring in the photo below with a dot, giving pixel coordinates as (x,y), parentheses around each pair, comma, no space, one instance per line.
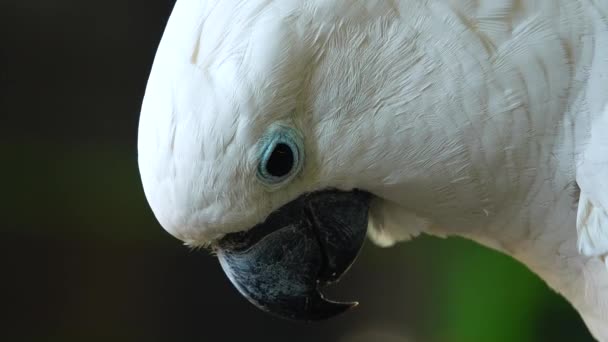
(282,156)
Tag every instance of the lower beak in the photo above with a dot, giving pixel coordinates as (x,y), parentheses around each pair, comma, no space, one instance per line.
(280,264)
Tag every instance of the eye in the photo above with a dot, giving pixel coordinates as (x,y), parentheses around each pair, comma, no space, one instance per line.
(281,156)
(281,161)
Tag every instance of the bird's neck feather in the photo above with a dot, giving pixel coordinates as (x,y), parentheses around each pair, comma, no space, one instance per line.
(473,132)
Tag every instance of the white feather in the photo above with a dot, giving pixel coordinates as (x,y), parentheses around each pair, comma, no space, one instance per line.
(463,117)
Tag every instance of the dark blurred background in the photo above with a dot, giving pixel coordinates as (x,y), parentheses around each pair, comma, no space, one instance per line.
(83,259)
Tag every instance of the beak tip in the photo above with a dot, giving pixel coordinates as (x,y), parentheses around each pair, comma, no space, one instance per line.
(321,309)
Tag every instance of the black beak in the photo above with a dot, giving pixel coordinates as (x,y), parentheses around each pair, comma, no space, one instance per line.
(280,264)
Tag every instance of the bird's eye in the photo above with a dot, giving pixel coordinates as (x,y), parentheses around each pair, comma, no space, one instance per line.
(281,156)
(280,162)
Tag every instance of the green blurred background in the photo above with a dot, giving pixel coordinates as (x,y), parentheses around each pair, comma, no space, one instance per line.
(83,258)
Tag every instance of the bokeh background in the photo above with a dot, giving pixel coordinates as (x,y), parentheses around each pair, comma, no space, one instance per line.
(83,259)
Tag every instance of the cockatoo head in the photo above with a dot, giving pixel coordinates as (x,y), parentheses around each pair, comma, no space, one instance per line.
(230,156)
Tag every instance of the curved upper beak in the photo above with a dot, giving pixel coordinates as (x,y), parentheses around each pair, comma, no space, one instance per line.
(280,264)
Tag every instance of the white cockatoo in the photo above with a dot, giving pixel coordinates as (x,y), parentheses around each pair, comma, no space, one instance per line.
(279,133)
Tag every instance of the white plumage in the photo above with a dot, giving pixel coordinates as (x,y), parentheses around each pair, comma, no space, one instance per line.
(479,118)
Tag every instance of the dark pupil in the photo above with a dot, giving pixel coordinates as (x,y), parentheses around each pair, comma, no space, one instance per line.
(280,162)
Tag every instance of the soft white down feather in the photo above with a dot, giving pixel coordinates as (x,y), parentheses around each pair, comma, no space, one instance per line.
(481,118)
